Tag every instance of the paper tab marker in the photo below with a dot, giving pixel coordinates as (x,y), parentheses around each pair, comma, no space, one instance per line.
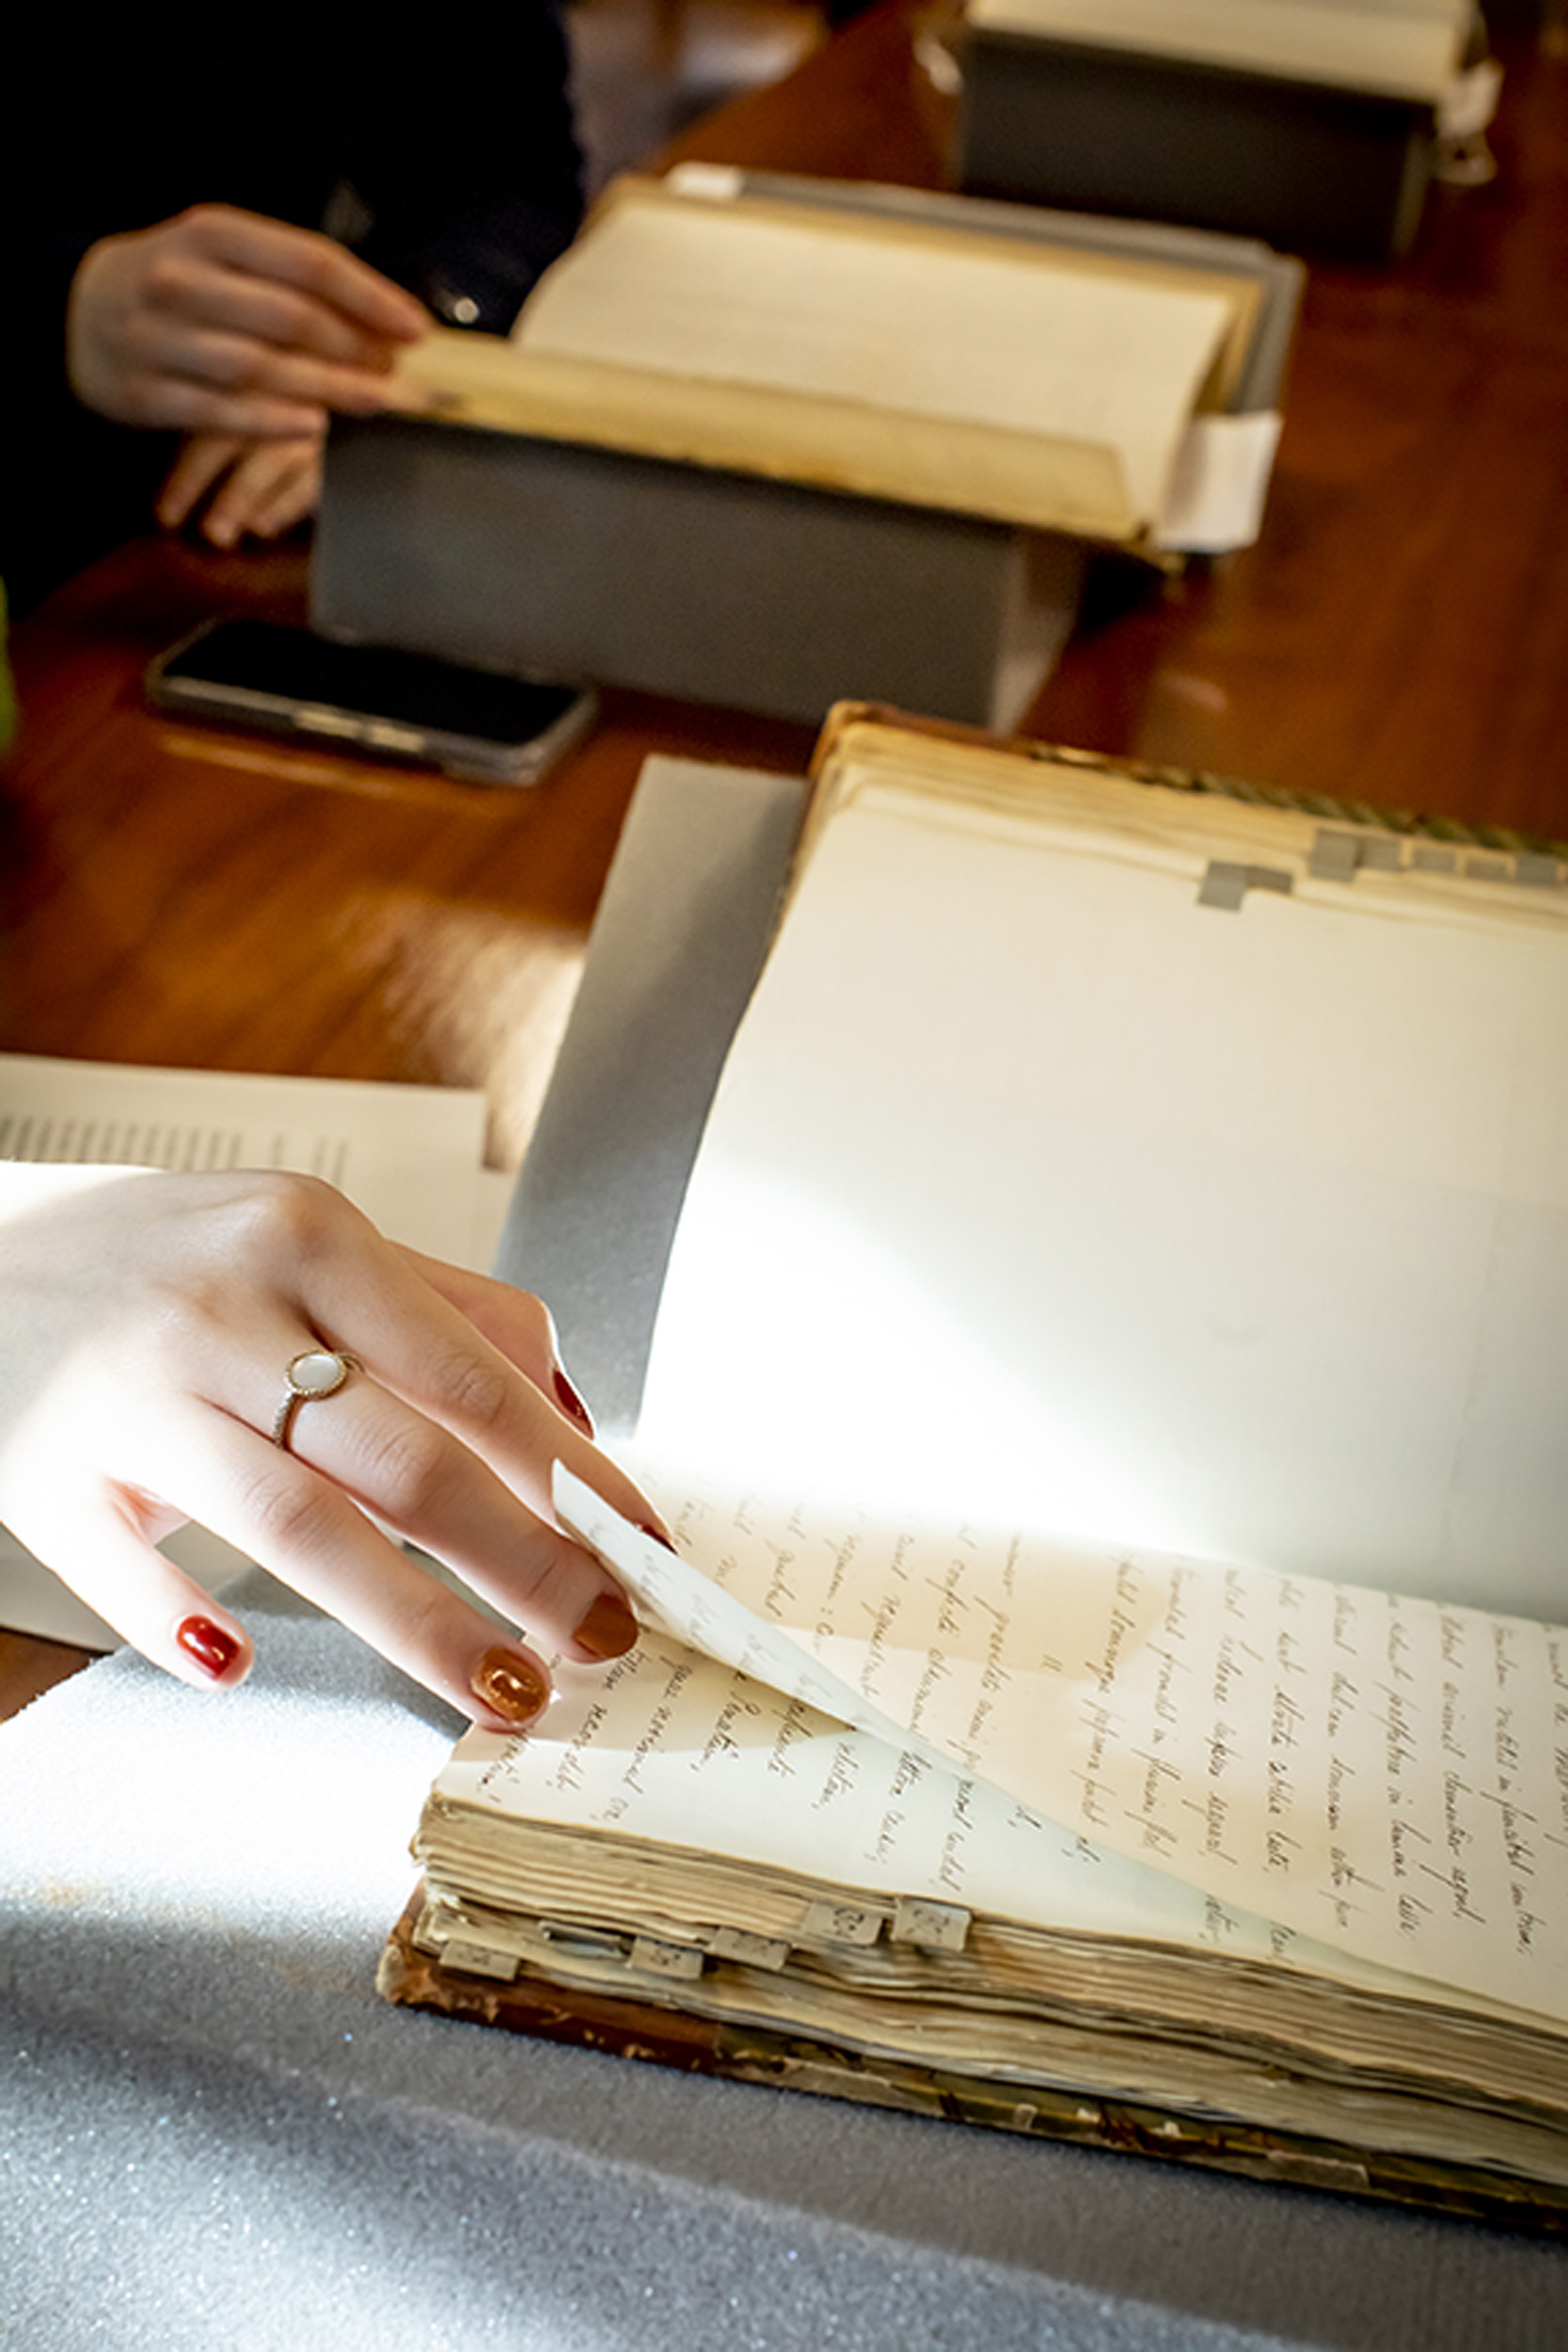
(1226,885)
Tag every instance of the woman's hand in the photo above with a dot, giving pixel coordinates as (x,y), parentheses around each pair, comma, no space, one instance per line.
(150,1320)
(259,488)
(220,321)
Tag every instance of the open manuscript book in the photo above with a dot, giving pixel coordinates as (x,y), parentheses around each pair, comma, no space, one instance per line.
(936,362)
(1110,1380)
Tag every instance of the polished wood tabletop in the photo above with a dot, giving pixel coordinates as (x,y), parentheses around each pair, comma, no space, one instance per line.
(1399,637)
(185,893)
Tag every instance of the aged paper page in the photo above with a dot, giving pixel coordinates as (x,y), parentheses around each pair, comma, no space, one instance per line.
(1219,1245)
(896,319)
(652,1752)
(1042,1189)
(1385,1778)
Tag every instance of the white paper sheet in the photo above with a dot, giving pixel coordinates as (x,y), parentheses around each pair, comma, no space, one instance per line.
(1220,485)
(1235,1234)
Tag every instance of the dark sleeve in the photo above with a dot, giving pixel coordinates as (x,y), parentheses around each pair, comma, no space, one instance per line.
(70,482)
(111,158)
(467,166)
(451,145)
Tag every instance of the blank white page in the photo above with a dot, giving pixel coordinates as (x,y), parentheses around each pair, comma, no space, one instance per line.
(1037,1190)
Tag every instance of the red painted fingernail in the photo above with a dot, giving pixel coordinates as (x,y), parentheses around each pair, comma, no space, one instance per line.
(213,1650)
(570,1403)
(609,1629)
(512,1687)
(659,1534)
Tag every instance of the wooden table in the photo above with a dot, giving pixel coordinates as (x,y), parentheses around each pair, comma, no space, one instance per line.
(175,895)
(1398,636)
(185,894)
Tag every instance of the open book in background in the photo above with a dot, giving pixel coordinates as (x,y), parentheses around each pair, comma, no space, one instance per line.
(929,360)
(825,440)
(1127,1253)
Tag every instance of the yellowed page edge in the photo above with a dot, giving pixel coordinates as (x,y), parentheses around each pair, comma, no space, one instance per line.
(985,471)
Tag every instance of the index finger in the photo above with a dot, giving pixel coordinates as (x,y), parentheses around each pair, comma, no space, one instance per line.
(312,264)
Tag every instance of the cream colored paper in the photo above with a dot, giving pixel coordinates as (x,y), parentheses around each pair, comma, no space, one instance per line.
(901,321)
(676,1749)
(1037,1190)
(1377,1775)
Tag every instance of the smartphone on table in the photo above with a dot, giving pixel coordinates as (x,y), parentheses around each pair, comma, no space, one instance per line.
(392,705)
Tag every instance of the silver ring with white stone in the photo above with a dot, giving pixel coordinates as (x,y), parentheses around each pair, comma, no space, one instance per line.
(319,1371)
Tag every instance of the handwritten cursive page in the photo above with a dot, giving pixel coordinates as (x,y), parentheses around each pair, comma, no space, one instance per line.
(1387,1777)
(673,1749)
